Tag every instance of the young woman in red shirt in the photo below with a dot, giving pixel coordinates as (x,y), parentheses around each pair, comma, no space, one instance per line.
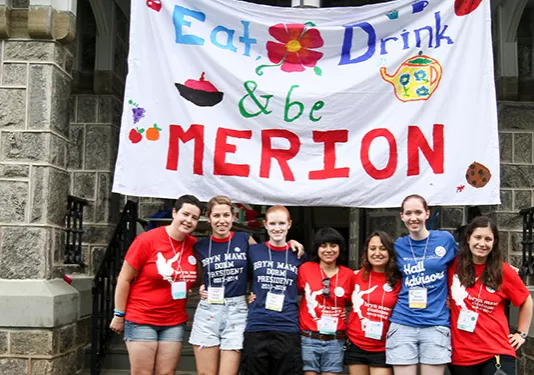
(376,289)
(480,284)
(327,287)
(158,270)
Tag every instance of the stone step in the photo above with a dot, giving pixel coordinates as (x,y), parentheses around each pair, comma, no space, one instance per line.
(127,372)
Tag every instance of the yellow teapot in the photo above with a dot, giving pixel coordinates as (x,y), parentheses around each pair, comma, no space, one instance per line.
(416,79)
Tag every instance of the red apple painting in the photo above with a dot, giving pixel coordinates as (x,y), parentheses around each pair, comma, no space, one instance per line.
(154,5)
(135,135)
(465,7)
(200,92)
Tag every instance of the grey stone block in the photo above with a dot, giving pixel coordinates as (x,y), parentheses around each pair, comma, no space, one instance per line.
(13,201)
(15,74)
(87,109)
(84,184)
(17,146)
(103,197)
(452,217)
(523,199)
(31,343)
(516,115)
(40,93)
(506,200)
(38,303)
(58,151)
(523,148)
(29,51)
(21,3)
(14,170)
(38,194)
(59,105)
(89,213)
(516,239)
(105,109)
(97,256)
(517,176)
(25,253)
(507,221)
(58,366)
(72,108)
(98,147)
(3,342)
(84,284)
(50,187)
(66,337)
(97,234)
(75,147)
(12,366)
(505,148)
(384,223)
(13,108)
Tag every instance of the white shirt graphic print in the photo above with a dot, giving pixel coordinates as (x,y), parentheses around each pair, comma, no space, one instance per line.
(458,293)
(165,268)
(358,301)
(311,300)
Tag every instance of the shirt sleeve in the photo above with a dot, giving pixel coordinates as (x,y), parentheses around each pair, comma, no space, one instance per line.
(301,281)
(139,253)
(513,286)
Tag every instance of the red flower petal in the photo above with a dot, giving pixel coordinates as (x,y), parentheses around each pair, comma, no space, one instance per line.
(279,32)
(295,31)
(311,39)
(308,57)
(275,52)
(292,63)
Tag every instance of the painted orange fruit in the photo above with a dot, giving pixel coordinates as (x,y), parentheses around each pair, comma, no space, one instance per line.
(152,134)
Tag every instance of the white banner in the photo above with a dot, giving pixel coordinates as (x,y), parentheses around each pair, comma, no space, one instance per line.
(355,106)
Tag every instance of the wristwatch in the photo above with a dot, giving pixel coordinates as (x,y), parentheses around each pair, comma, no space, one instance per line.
(522,334)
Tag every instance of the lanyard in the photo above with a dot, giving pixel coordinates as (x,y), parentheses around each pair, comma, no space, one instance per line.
(271,261)
(179,269)
(424,254)
(209,259)
(479,293)
(369,297)
(333,290)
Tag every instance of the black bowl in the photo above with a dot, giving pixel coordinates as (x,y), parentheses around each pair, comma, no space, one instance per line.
(199,97)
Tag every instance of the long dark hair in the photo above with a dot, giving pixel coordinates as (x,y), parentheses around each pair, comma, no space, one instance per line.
(328,235)
(393,274)
(492,275)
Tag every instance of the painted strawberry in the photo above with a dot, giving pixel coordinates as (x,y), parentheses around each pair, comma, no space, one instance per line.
(154,4)
(464,7)
(136,135)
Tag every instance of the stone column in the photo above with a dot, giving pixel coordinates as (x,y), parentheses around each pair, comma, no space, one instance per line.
(39,329)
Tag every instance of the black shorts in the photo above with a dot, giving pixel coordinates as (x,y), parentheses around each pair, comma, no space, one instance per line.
(271,353)
(486,367)
(354,355)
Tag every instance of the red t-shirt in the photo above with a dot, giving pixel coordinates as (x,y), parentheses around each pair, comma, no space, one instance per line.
(314,304)
(490,336)
(372,299)
(150,300)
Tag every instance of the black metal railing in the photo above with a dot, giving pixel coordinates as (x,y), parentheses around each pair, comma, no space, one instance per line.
(527,261)
(74,230)
(104,284)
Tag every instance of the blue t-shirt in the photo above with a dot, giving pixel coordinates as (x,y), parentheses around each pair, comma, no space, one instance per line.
(227,263)
(430,273)
(274,274)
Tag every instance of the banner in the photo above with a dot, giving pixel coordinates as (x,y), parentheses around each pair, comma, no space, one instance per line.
(353,106)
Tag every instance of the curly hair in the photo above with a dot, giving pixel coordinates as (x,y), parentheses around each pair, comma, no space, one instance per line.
(465,269)
(393,274)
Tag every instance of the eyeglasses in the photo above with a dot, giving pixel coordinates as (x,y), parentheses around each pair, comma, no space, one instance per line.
(326,287)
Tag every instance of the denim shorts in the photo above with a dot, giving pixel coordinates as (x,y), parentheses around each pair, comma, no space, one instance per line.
(322,355)
(220,325)
(407,345)
(148,332)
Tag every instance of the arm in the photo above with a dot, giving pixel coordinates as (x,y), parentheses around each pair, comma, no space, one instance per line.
(525,316)
(122,292)
(251,241)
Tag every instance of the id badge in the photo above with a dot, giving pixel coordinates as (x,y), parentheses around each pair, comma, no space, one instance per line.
(373,330)
(274,302)
(216,295)
(417,298)
(327,325)
(179,289)
(467,320)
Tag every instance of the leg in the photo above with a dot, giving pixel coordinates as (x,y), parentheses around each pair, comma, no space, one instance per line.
(229,362)
(465,370)
(432,369)
(311,373)
(167,357)
(358,369)
(207,359)
(286,354)
(381,371)
(405,370)
(256,356)
(507,365)
(142,356)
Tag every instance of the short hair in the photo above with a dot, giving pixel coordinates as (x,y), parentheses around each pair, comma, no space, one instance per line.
(327,235)
(414,196)
(219,199)
(277,208)
(188,199)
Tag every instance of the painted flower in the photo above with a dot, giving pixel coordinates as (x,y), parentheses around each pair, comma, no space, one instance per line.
(422,91)
(294,47)
(420,75)
(404,79)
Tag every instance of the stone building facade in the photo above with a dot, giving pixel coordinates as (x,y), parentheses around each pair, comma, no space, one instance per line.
(62,75)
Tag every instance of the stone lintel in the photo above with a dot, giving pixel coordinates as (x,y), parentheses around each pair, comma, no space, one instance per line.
(84,285)
(38,303)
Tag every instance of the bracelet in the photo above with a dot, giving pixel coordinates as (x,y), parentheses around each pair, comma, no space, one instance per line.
(118,313)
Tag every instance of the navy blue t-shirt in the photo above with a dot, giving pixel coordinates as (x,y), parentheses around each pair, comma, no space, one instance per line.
(275,275)
(227,264)
(429,272)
